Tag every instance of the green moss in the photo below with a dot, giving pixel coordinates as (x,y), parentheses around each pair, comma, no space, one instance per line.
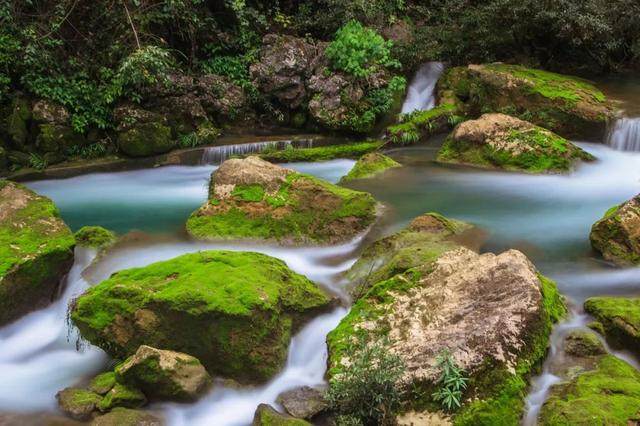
(546,152)
(370,165)
(322,153)
(620,318)
(582,343)
(231,310)
(422,124)
(122,396)
(103,383)
(36,250)
(267,416)
(300,218)
(146,139)
(73,399)
(94,236)
(610,235)
(608,395)
(18,120)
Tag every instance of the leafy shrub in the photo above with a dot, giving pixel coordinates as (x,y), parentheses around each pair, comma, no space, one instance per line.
(451,383)
(146,66)
(89,152)
(365,391)
(37,162)
(360,51)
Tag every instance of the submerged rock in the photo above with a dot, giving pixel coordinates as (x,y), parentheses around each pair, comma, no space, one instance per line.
(95,237)
(492,313)
(164,375)
(36,251)
(254,199)
(79,404)
(370,165)
(127,417)
(620,319)
(617,234)
(569,106)
(266,415)
(504,142)
(234,311)
(609,394)
(304,402)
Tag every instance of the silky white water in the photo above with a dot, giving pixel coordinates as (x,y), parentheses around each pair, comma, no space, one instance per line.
(217,154)
(420,95)
(625,134)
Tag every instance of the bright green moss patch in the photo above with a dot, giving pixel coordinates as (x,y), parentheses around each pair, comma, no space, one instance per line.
(94,236)
(370,165)
(608,395)
(122,396)
(321,153)
(422,124)
(267,416)
(620,318)
(232,310)
(249,193)
(615,236)
(103,383)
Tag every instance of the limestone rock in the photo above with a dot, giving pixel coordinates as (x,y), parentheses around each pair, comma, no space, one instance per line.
(569,106)
(141,132)
(234,311)
(45,111)
(370,165)
(266,415)
(36,251)
(304,402)
(254,199)
(617,234)
(504,142)
(165,375)
(79,404)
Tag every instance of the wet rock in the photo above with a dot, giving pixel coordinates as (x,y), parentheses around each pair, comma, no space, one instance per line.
(500,141)
(492,313)
(142,133)
(304,402)
(370,165)
(57,138)
(165,375)
(617,235)
(79,404)
(567,105)
(581,343)
(50,113)
(122,395)
(36,251)
(127,417)
(266,415)
(18,122)
(254,199)
(285,64)
(620,319)
(609,394)
(103,383)
(95,237)
(234,311)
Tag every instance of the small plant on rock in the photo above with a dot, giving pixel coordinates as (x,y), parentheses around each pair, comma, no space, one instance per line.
(365,392)
(451,383)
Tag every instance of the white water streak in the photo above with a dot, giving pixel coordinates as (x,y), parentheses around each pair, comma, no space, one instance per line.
(625,134)
(217,154)
(421,93)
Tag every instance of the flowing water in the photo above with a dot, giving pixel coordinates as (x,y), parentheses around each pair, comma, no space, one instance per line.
(420,95)
(547,217)
(217,154)
(625,134)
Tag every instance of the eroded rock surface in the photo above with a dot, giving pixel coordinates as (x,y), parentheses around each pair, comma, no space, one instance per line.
(304,402)
(617,235)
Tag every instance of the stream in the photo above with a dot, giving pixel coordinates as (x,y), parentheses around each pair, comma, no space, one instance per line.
(547,217)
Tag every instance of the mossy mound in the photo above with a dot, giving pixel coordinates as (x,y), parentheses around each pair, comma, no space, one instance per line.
(36,251)
(234,311)
(419,125)
(145,139)
(499,141)
(254,199)
(95,237)
(421,243)
(569,106)
(320,153)
(370,165)
(266,415)
(617,235)
(79,404)
(465,304)
(127,417)
(620,319)
(582,343)
(607,395)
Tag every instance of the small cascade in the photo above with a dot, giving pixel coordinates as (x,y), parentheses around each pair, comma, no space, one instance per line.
(421,93)
(625,134)
(218,154)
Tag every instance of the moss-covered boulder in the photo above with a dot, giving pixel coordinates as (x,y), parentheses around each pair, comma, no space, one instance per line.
(234,311)
(420,125)
(36,251)
(121,395)
(620,319)
(142,133)
(18,122)
(95,237)
(370,165)
(57,138)
(420,243)
(254,199)
(499,141)
(569,106)
(491,313)
(617,235)
(266,415)
(581,343)
(609,394)
(164,375)
(321,153)
(127,417)
(77,403)
(103,383)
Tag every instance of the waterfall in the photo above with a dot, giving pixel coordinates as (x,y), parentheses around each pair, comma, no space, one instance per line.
(625,134)
(421,96)
(218,154)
